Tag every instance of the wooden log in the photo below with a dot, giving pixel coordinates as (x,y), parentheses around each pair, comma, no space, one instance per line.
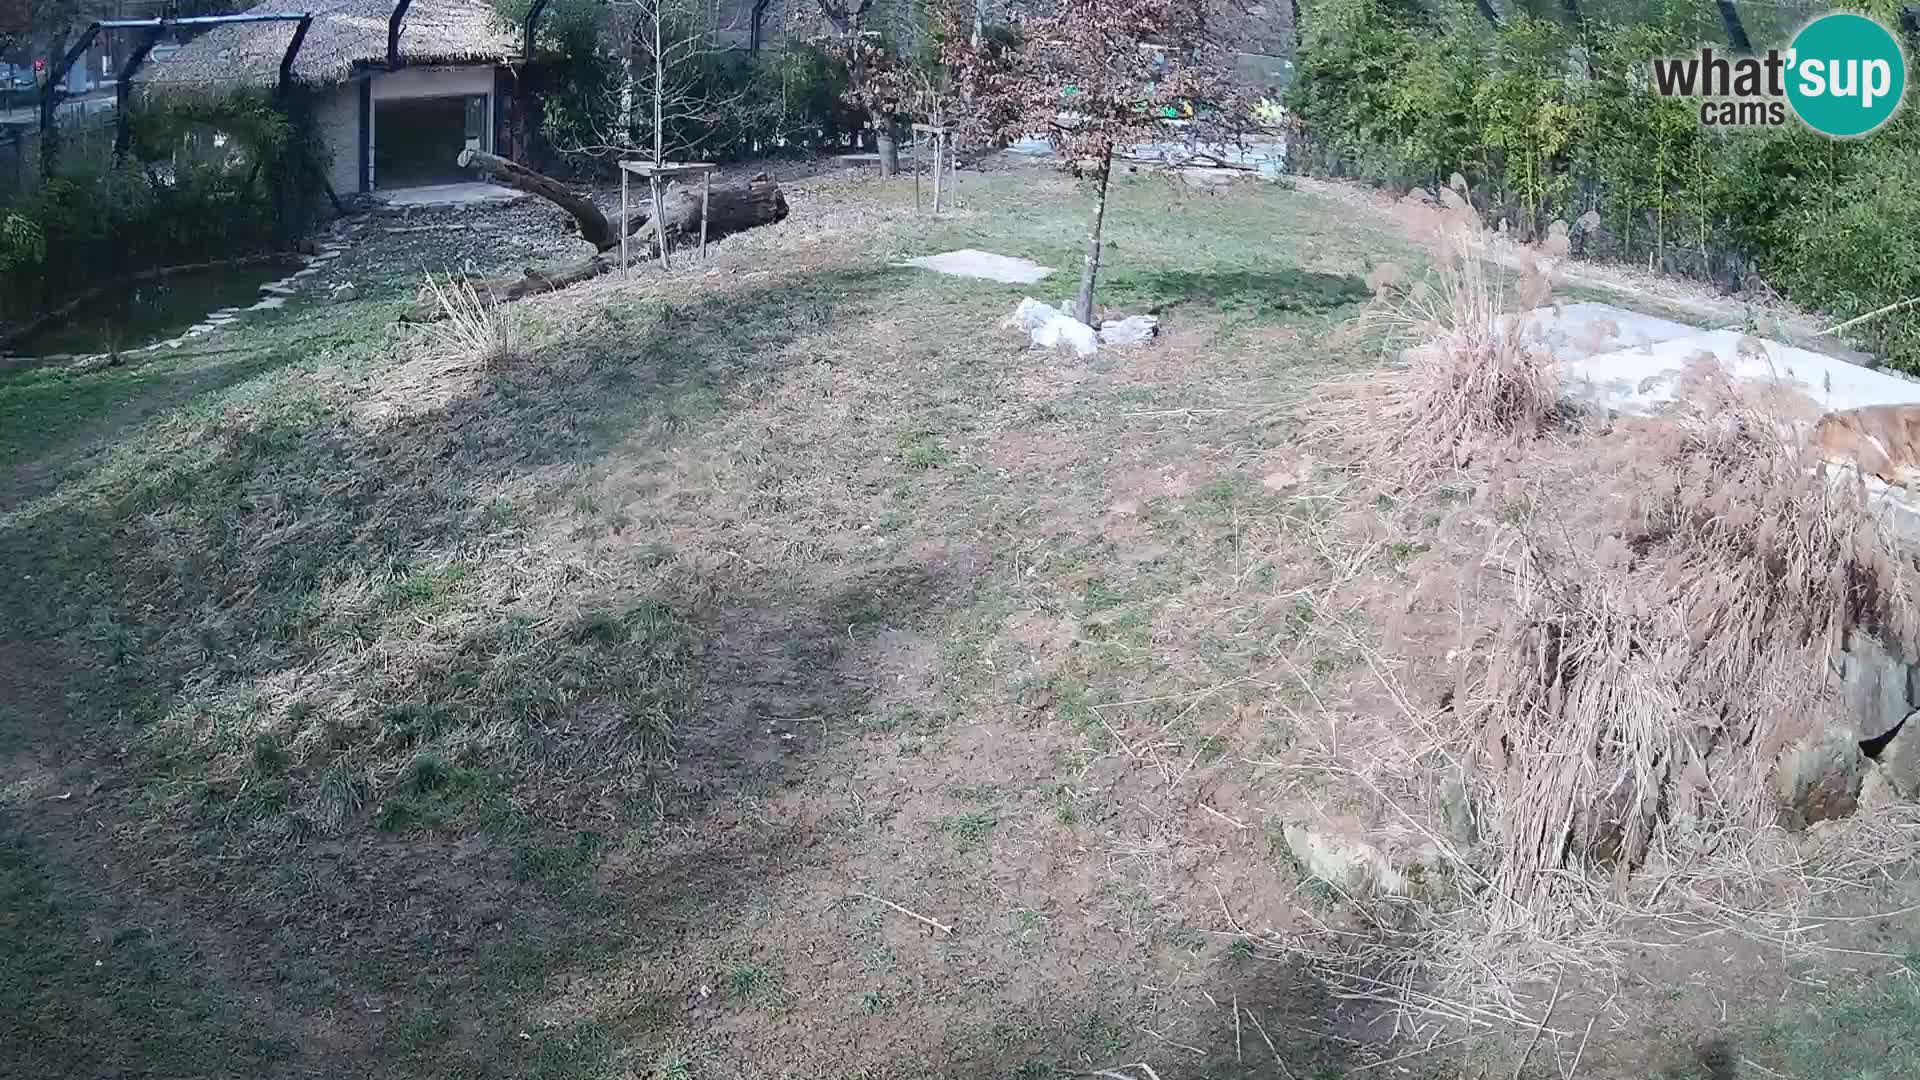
(594,227)
(730,208)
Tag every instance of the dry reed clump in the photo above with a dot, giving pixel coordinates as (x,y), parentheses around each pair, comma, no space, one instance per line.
(1473,380)
(472,326)
(1657,661)
(1663,623)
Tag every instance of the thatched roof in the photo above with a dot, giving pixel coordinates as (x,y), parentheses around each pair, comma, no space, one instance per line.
(346,34)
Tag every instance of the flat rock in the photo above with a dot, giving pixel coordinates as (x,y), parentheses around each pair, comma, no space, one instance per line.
(1876,686)
(269,303)
(1900,758)
(1642,380)
(277,288)
(971,263)
(1574,332)
(1818,779)
(1050,328)
(1356,866)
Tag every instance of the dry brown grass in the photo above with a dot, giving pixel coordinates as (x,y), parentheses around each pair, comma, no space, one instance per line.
(471,326)
(1670,639)
(1647,618)
(1472,380)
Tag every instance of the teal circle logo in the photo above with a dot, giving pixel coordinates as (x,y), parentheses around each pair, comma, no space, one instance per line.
(1846,75)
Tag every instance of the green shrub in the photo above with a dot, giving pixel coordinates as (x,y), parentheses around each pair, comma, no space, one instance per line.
(1548,120)
(204,178)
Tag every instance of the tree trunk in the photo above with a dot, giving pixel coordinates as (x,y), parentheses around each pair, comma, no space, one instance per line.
(659,91)
(887,145)
(733,207)
(1736,30)
(1083,308)
(594,228)
(1488,13)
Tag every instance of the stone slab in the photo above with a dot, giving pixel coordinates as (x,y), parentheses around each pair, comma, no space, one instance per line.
(1577,331)
(465,194)
(972,263)
(1642,380)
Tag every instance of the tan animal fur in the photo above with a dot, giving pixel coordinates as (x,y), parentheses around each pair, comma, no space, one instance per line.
(1879,440)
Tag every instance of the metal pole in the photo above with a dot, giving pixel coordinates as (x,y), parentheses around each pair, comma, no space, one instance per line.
(706,189)
(624,212)
(939,145)
(123,90)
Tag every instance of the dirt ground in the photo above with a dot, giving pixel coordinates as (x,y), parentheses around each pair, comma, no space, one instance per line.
(771,669)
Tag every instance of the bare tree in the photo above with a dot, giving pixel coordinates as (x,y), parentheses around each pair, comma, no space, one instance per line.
(1102,76)
(663,103)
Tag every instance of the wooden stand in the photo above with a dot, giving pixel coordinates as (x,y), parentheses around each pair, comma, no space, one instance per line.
(655,174)
(939,156)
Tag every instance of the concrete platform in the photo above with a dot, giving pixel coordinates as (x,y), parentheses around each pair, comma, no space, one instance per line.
(1642,379)
(466,194)
(1576,331)
(972,263)
(1625,362)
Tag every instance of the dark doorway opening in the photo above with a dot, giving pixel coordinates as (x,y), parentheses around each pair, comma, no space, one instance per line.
(418,140)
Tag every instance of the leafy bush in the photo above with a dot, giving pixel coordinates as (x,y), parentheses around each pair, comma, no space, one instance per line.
(204,178)
(782,99)
(1548,120)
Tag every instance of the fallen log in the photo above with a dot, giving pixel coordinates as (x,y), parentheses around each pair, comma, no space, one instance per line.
(731,208)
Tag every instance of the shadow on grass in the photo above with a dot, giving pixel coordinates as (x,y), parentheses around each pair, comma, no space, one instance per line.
(333,730)
(1254,292)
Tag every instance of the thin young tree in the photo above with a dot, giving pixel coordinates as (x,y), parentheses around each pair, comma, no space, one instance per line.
(663,104)
(1102,77)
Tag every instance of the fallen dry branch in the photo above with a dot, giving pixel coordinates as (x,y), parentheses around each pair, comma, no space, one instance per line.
(531,282)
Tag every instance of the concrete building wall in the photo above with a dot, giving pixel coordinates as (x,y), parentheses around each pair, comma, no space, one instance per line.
(416,82)
(337,113)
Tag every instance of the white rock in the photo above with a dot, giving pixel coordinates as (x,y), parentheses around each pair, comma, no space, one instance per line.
(343,293)
(269,303)
(1132,330)
(1051,328)
(1354,865)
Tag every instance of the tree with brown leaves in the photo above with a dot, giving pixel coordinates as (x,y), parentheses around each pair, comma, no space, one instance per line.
(865,57)
(1101,77)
